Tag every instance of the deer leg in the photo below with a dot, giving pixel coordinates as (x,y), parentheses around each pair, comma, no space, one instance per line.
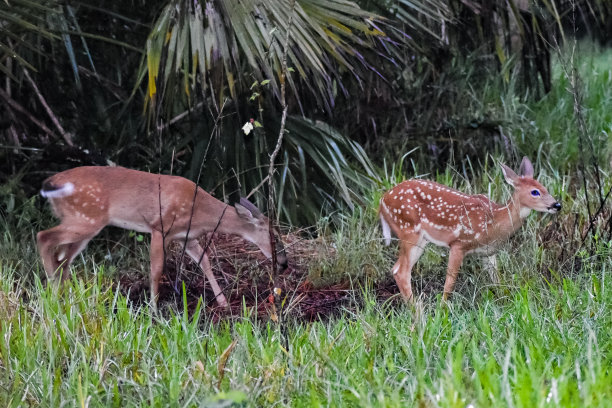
(455,259)
(196,252)
(59,246)
(411,249)
(157,264)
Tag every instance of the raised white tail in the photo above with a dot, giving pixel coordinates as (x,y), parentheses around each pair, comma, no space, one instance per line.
(419,212)
(58,192)
(386,230)
(170,208)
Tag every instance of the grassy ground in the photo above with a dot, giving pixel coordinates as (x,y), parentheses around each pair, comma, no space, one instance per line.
(542,337)
(538,345)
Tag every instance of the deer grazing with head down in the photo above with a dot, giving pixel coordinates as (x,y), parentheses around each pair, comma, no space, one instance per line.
(170,208)
(419,212)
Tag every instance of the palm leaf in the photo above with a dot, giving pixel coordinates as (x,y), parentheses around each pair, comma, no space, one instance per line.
(18,20)
(229,41)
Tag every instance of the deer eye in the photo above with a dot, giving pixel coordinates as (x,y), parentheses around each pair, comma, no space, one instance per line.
(535,193)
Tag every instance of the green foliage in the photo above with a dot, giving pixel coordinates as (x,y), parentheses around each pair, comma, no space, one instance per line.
(356,247)
(553,130)
(220,45)
(540,345)
(20,20)
(386,74)
(227,56)
(496,118)
(541,337)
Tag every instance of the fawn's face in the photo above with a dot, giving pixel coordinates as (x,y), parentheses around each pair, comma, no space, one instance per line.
(260,233)
(535,196)
(531,194)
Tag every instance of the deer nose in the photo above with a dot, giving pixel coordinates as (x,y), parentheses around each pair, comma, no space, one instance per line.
(557,206)
(282,264)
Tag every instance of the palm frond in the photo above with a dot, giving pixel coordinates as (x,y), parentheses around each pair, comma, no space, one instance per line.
(18,20)
(219,45)
(322,169)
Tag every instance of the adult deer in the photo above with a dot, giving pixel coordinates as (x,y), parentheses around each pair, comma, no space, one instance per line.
(170,208)
(419,212)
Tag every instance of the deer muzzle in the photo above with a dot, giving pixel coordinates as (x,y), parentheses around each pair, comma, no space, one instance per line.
(555,208)
(281,256)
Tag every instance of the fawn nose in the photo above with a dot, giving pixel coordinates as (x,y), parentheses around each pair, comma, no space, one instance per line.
(281,256)
(557,206)
(282,263)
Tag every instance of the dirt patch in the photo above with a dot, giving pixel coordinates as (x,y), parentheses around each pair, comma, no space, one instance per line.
(243,273)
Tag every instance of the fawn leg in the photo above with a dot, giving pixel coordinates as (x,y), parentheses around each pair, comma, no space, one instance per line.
(59,245)
(157,264)
(455,259)
(196,252)
(411,249)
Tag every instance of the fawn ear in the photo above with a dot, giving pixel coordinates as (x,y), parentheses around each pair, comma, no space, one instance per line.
(246,210)
(526,168)
(509,175)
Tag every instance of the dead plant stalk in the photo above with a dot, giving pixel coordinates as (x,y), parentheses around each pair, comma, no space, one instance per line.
(271,206)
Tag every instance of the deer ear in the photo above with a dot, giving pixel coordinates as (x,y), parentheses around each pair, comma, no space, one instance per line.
(247,210)
(509,175)
(242,211)
(526,168)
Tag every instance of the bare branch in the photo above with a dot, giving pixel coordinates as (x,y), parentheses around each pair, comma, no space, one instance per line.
(44,103)
(195,192)
(271,206)
(15,105)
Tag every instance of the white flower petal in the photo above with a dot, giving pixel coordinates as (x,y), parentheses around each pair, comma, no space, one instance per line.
(247,128)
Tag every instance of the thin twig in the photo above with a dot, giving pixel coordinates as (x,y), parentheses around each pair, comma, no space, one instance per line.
(595,216)
(177,118)
(254,189)
(29,149)
(583,135)
(15,105)
(195,193)
(271,206)
(44,103)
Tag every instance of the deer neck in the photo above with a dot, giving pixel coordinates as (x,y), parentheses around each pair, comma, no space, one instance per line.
(219,217)
(509,217)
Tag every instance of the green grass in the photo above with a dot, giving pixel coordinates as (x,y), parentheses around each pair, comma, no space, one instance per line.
(549,126)
(533,340)
(546,129)
(539,346)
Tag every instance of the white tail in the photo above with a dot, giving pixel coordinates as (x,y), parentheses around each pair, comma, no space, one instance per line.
(420,212)
(86,199)
(63,191)
(386,230)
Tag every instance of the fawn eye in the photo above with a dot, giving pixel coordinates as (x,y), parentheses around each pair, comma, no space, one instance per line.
(535,193)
